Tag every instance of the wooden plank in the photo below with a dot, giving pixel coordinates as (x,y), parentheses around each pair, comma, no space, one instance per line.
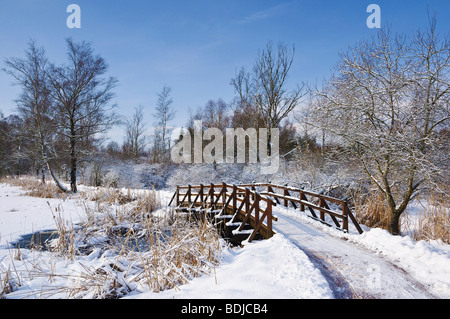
(265,229)
(248,212)
(274,218)
(306,203)
(173,197)
(290,188)
(334,218)
(355,222)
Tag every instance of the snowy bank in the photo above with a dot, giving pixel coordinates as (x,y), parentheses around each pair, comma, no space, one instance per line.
(427,261)
(268,269)
(21,215)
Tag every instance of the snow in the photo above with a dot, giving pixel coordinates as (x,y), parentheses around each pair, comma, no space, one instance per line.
(20,214)
(429,262)
(274,268)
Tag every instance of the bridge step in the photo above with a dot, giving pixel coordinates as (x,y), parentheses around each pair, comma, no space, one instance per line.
(229,230)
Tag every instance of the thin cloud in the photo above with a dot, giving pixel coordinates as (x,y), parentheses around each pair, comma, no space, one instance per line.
(265,14)
(261,15)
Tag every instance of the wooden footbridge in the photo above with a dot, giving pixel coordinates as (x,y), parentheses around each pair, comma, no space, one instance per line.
(245,211)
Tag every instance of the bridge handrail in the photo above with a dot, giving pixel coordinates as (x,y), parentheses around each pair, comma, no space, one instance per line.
(323,206)
(250,203)
(249,190)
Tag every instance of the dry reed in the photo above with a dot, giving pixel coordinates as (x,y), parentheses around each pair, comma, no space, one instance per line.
(34,187)
(138,249)
(370,210)
(433,221)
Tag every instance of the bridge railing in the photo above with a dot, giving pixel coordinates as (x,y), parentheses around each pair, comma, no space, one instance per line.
(246,205)
(318,204)
(245,198)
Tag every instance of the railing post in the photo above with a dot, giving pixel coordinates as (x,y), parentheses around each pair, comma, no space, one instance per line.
(247,200)
(201,195)
(224,193)
(189,193)
(257,199)
(178,196)
(322,214)
(234,198)
(302,197)
(269,218)
(345,213)
(211,191)
(285,193)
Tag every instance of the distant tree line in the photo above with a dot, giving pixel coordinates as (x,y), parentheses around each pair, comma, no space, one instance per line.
(64,112)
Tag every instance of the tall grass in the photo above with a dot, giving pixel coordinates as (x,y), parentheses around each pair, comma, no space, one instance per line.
(35,187)
(370,209)
(65,243)
(154,255)
(134,249)
(433,222)
(145,252)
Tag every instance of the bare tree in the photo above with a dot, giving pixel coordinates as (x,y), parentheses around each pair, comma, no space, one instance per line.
(135,139)
(215,114)
(266,87)
(35,105)
(307,120)
(13,145)
(157,152)
(165,112)
(263,92)
(83,99)
(431,100)
(387,102)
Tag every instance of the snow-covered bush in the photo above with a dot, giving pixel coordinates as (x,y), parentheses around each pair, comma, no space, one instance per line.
(111,179)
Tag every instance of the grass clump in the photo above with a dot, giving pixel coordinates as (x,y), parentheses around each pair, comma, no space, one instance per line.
(35,187)
(136,249)
(433,220)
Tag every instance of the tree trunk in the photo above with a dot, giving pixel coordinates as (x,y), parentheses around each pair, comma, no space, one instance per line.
(45,161)
(73,163)
(73,176)
(394,223)
(61,187)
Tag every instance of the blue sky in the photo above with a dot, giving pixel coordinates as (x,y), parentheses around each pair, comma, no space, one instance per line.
(195,47)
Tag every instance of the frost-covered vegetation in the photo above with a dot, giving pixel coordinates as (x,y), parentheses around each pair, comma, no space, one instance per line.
(122,241)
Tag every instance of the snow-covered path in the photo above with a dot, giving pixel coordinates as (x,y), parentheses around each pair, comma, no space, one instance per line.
(351,270)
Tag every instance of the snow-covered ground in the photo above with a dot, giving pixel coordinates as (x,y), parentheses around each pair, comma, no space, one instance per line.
(275,268)
(20,214)
(374,264)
